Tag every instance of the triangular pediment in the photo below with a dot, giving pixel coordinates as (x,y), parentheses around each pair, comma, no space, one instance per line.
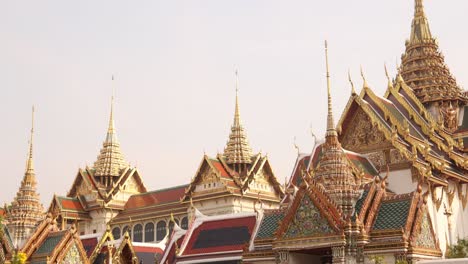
(308,221)
(362,134)
(425,237)
(263,180)
(211,176)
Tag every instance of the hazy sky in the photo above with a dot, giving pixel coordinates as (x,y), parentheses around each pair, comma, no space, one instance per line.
(174,65)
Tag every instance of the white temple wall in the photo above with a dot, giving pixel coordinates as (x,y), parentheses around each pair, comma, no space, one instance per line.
(400,181)
(439,220)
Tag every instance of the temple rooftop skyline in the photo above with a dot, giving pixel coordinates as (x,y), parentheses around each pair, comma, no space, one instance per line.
(175,85)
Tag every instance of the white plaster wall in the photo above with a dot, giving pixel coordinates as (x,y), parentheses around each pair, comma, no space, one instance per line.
(400,181)
(440,221)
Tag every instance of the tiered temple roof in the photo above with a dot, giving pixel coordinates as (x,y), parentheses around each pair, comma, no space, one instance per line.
(110,161)
(238,151)
(26,210)
(423,67)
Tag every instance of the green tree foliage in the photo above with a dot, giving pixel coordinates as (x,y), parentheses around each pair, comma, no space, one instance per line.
(377,259)
(459,250)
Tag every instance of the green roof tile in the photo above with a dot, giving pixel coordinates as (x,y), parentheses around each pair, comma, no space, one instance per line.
(392,214)
(269,224)
(50,243)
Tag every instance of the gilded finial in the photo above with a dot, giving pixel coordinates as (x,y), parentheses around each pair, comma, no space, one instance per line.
(296,146)
(30,162)
(172,218)
(111,119)
(353,91)
(330,123)
(237,149)
(237,113)
(313,135)
(390,84)
(365,84)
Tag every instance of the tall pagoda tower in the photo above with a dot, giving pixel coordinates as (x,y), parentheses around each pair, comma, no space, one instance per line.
(99,192)
(110,161)
(26,210)
(334,171)
(423,68)
(238,153)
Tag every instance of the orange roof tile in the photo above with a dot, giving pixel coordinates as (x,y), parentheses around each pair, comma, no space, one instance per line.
(163,196)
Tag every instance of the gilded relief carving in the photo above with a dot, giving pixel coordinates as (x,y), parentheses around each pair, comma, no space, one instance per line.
(363,135)
(377,158)
(396,157)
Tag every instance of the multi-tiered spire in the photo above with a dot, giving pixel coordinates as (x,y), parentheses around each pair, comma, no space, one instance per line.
(423,67)
(26,210)
(238,151)
(110,161)
(334,171)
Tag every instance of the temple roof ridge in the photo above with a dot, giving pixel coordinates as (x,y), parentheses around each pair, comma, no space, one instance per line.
(238,150)
(110,160)
(423,66)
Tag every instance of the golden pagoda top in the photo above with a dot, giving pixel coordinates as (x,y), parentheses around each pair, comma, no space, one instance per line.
(238,150)
(110,160)
(333,171)
(26,210)
(423,67)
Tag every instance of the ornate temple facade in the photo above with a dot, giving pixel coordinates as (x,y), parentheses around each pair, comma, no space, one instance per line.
(389,180)
(26,210)
(100,192)
(231,182)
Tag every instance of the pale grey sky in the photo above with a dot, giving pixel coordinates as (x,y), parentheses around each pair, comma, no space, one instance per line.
(174,66)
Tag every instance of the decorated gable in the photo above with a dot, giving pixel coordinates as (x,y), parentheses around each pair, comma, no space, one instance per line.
(425,236)
(307,221)
(73,256)
(361,135)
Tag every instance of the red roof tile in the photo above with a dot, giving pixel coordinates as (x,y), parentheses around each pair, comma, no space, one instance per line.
(70,204)
(219,166)
(89,245)
(147,249)
(201,243)
(156,197)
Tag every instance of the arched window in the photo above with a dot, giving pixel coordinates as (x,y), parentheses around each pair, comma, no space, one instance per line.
(125,229)
(160,230)
(184,223)
(171,225)
(116,232)
(138,233)
(149,232)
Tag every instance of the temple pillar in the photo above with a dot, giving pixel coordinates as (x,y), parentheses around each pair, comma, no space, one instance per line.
(282,257)
(338,254)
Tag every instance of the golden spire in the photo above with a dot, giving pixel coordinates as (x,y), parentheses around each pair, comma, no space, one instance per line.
(111,128)
(26,209)
(110,160)
(420,31)
(30,162)
(333,171)
(353,91)
(236,111)
(423,67)
(331,131)
(237,150)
